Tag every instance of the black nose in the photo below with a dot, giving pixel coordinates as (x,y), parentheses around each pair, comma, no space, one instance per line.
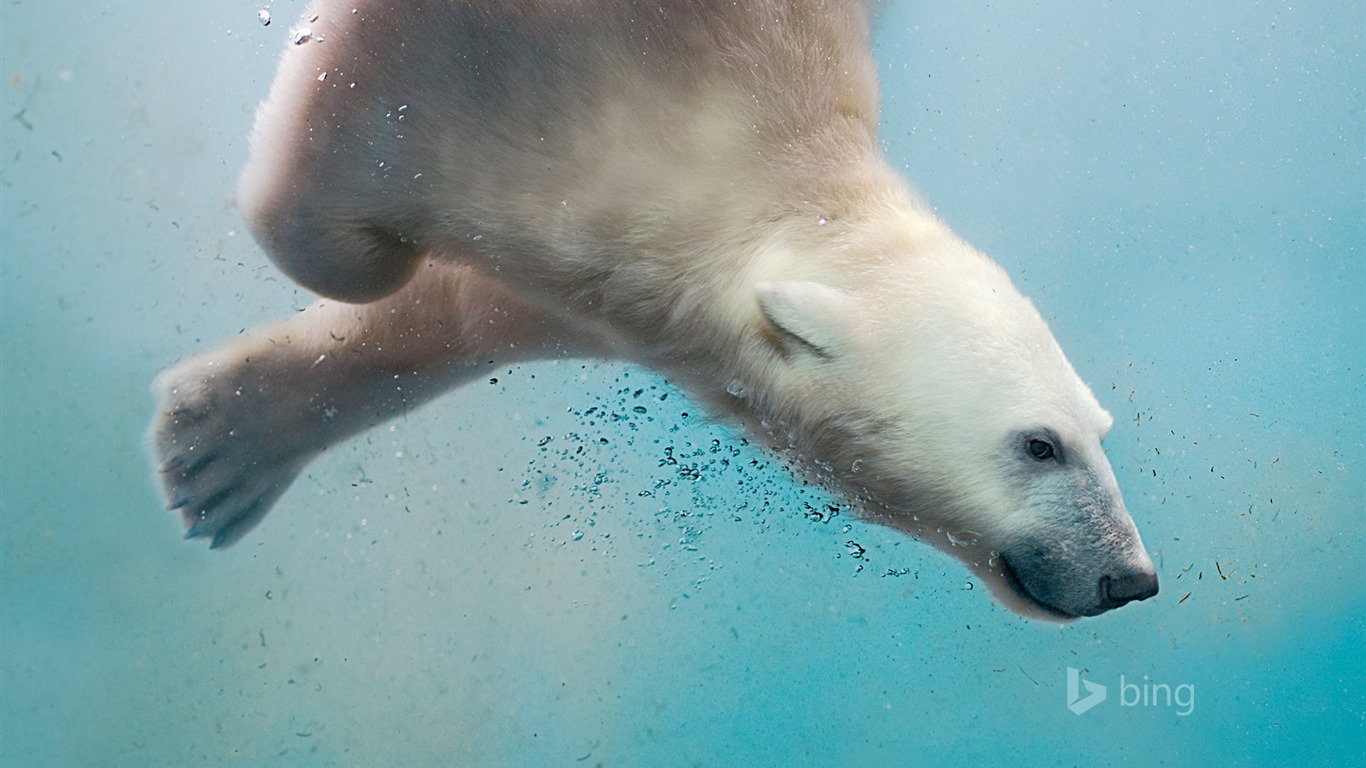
(1126,587)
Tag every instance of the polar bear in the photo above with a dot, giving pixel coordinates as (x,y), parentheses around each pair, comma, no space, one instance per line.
(693,185)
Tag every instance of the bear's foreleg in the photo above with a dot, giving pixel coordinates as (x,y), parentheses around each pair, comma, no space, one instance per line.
(235,425)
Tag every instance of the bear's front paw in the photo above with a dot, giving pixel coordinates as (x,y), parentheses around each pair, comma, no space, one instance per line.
(224,447)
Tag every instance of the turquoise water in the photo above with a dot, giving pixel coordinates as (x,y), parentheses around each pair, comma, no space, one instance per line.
(1183,192)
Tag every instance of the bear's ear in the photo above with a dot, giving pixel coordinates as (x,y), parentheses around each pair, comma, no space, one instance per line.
(809,317)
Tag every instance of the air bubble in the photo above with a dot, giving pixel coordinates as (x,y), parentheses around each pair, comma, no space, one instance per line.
(263,16)
(735,388)
(960,542)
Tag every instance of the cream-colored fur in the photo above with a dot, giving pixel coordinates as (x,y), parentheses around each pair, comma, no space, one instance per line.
(695,186)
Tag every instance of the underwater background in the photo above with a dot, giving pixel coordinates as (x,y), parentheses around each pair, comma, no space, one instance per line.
(573,566)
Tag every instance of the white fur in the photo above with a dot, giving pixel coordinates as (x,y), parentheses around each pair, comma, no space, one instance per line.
(696,186)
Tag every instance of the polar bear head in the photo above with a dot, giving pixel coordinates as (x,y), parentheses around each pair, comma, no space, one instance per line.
(935,393)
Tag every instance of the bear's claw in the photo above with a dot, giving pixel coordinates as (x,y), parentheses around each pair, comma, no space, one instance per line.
(224,529)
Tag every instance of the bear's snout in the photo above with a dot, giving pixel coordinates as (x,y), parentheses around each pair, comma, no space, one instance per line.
(1127,586)
(1069,589)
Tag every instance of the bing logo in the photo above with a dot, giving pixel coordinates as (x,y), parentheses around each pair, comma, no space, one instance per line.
(1145,694)
(1095,692)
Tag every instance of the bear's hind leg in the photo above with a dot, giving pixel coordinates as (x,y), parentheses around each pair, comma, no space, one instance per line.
(235,425)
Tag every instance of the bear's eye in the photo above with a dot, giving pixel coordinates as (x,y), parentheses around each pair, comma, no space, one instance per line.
(1040,449)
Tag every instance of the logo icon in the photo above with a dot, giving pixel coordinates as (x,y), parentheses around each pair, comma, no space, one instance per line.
(1095,692)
